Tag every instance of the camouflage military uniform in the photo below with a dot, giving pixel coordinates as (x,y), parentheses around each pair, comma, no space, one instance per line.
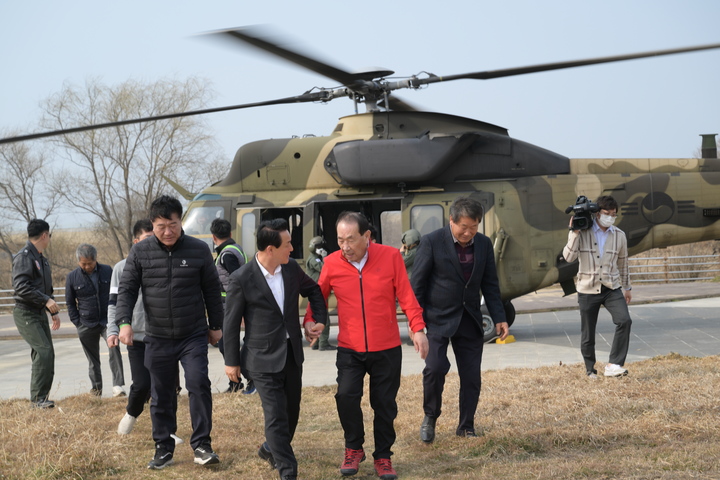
(313,266)
(410,239)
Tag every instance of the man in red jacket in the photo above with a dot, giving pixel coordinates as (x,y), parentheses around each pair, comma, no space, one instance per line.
(367,278)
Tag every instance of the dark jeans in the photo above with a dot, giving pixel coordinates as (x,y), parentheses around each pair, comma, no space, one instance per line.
(467,344)
(35,330)
(384,369)
(615,304)
(90,341)
(280,395)
(161,358)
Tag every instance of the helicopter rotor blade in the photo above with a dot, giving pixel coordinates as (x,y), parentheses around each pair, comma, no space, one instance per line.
(319,96)
(256,37)
(508,72)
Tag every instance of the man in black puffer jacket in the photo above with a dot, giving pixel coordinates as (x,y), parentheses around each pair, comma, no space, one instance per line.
(179,284)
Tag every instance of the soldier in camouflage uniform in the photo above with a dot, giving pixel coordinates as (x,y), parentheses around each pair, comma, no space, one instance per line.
(313,266)
(410,241)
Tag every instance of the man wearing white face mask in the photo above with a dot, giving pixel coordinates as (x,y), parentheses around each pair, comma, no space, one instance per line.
(602,279)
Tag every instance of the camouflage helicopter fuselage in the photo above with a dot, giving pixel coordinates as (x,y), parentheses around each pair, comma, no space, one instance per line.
(414,164)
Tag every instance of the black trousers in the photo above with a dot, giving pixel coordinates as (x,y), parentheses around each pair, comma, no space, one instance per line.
(384,369)
(161,358)
(90,341)
(467,344)
(615,304)
(140,388)
(280,395)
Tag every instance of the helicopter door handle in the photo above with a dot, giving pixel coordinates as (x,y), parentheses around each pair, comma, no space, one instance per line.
(499,246)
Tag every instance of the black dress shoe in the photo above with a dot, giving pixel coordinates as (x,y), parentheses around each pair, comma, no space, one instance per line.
(266,454)
(466,433)
(327,347)
(427,429)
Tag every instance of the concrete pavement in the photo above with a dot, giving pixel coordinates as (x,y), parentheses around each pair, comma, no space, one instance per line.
(679,318)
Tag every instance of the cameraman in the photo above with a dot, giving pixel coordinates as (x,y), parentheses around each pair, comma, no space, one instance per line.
(602,279)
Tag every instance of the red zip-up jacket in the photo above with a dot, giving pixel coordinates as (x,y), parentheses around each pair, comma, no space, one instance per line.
(366,300)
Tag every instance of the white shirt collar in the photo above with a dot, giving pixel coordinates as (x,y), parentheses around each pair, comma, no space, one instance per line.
(359,265)
(596,228)
(264,271)
(455,240)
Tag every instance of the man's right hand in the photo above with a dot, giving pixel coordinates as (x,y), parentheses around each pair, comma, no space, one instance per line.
(570,225)
(233,373)
(52,306)
(126,335)
(112,341)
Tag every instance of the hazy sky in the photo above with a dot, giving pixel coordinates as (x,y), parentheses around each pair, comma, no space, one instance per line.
(644,108)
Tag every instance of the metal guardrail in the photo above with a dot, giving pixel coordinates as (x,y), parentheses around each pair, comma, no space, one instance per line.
(686,268)
(7,300)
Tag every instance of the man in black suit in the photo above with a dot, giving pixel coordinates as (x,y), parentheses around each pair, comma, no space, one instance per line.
(265,293)
(453,265)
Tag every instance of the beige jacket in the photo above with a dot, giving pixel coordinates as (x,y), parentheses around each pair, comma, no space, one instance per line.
(611,270)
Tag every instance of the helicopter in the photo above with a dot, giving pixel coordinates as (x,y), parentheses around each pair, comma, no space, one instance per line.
(403,167)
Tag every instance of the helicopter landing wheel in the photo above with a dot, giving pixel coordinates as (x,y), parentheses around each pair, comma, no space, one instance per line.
(509,313)
(488,326)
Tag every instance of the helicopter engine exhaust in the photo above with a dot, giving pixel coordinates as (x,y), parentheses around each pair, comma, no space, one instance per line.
(709,145)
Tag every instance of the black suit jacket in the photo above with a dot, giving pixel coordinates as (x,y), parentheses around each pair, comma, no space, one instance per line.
(266,326)
(440,286)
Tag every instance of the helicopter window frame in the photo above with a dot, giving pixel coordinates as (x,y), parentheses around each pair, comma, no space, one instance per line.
(208,211)
(391,227)
(424,214)
(294,216)
(247,233)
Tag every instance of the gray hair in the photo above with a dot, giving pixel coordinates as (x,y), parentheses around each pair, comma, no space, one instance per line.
(466,207)
(85,250)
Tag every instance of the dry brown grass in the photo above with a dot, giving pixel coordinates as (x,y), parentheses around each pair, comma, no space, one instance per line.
(661,422)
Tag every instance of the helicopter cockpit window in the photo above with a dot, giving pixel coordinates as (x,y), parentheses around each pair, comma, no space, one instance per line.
(426,218)
(198,220)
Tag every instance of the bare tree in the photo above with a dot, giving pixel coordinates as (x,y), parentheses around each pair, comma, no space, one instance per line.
(115,173)
(25,191)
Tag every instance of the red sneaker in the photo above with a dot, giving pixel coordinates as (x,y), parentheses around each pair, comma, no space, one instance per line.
(352,461)
(384,470)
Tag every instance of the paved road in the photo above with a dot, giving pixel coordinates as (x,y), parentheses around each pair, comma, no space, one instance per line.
(547,330)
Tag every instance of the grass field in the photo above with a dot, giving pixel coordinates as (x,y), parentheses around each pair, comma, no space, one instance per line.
(660,422)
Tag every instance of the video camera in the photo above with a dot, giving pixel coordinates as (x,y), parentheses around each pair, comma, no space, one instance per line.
(582,213)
